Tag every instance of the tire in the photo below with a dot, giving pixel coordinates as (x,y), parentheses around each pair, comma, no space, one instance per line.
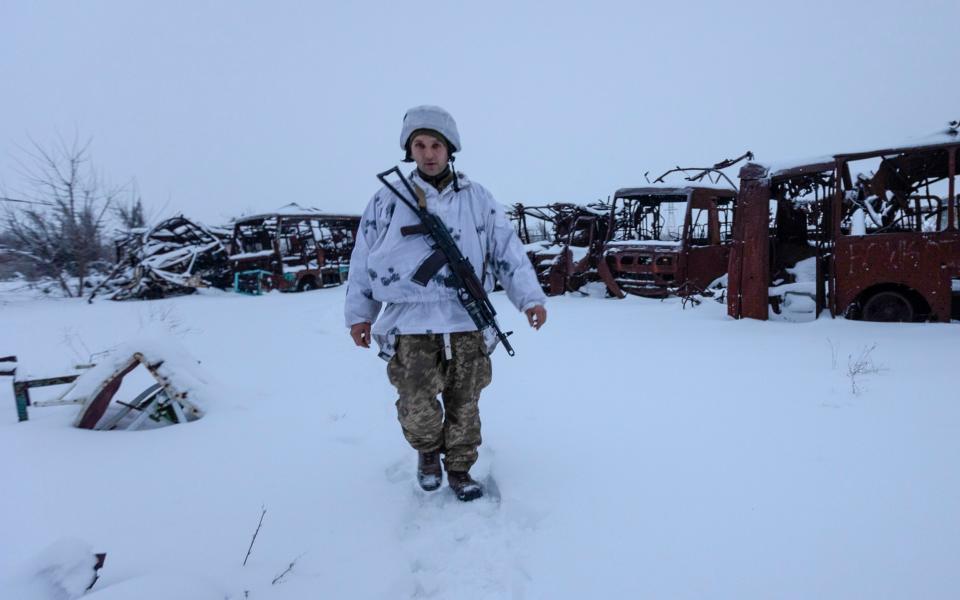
(888,307)
(306,284)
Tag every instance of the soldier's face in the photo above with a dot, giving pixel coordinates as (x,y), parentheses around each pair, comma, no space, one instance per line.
(429,153)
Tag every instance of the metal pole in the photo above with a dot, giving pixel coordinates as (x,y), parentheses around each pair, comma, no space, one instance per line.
(951,199)
(21,394)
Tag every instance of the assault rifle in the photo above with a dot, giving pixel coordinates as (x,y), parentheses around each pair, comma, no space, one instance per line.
(470,290)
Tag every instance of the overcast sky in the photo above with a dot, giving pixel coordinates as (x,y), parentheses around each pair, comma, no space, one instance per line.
(221,108)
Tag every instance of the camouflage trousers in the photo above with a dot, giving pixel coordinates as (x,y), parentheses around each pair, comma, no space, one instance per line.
(420,371)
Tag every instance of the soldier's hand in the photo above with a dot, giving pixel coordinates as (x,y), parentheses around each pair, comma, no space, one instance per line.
(360,332)
(537,316)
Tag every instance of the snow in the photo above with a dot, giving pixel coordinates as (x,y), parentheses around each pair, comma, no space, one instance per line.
(805,270)
(675,187)
(62,571)
(778,167)
(287,210)
(579,253)
(543,247)
(250,255)
(671,244)
(946,136)
(681,454)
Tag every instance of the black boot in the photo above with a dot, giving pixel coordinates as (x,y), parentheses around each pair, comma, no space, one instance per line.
(464,486)
(429,474)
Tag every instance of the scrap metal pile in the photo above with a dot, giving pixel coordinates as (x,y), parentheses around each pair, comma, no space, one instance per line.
(656,240)
(871,234)
(175,257)
(290,249)
(562,241)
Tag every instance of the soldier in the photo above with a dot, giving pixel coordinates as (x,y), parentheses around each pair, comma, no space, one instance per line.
(432,345)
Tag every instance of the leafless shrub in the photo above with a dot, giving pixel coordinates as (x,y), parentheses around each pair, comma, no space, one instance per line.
(860,367)
(130,213)
(289,568)
(58,221)
(255,533)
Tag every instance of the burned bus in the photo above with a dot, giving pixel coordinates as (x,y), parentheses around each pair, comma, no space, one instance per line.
(563,241)
(292,249)
(669,239)
(868,235)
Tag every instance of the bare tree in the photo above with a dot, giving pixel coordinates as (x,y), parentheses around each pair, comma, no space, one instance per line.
(130,213)
(59,222)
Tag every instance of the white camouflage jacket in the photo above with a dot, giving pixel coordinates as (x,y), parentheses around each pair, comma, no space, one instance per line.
(384,262)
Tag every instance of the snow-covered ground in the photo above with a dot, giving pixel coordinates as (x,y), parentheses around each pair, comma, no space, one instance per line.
(638,450)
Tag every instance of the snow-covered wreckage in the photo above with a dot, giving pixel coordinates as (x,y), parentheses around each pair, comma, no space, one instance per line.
(563,241)
(292,249)
(174,257)
(655,240)
(180,392)
(669,239)
(868,235)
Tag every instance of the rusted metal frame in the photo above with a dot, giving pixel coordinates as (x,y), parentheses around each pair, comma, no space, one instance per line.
(735,267)
(820,181)
(696,178)
(21,391)
(8,366)
(195,242)
(917,168)
(713,224)
(293,229)
(565,261)
(97,405)
(141,403)
(826,241)
(717,168)
(102,397)
(522,221)
(952,199)
(749,263)
(686,235)
(916,179)
(826,223)
(517,214)
(151,406)
(900,150)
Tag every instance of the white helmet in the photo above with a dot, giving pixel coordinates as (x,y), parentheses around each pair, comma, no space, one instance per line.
(433,118)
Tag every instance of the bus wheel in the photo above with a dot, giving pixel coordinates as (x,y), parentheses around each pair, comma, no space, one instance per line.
(889,307)
(306,284)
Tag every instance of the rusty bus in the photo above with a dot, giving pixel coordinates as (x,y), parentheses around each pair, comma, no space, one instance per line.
(292,249)
(672,238)
(868,235)
(668,239)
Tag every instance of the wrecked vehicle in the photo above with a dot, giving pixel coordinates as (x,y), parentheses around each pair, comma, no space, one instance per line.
(292,249)
(564,244)
(867,235)
(670,239)
(177,394)
(175,257)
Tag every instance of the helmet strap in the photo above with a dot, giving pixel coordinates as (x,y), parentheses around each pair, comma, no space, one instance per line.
(456,178)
